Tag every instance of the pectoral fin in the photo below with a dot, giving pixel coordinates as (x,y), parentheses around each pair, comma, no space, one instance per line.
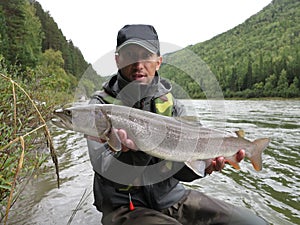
(114,141)
(198,167)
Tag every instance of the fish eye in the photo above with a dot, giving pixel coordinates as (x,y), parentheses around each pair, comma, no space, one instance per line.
(68,112)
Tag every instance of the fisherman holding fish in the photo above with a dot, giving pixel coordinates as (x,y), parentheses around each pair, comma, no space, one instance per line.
(133,187)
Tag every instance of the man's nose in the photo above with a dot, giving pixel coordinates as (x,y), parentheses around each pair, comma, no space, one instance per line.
(138,63)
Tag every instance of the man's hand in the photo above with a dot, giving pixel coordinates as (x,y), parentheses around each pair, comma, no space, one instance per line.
(127,144)
(218,163)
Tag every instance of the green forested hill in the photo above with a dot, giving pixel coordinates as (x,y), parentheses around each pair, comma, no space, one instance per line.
(27,31)
(74,61)
(33,50)
(260,57)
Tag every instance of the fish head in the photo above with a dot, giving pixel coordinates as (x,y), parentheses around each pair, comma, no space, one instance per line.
(87,119)
(63,119)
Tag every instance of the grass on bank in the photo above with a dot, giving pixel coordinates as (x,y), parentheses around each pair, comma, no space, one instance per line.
(25,140)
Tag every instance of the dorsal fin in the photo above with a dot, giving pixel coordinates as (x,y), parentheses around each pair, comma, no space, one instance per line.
(191,120)
(240,133)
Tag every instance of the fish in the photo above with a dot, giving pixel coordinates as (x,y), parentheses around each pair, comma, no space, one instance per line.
(169,138)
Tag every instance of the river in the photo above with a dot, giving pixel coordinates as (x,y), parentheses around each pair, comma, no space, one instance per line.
(273,193)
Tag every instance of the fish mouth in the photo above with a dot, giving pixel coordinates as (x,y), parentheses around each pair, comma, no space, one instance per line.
(61,123)
(61,119)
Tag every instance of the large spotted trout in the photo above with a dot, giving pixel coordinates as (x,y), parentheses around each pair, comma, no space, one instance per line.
(164,137)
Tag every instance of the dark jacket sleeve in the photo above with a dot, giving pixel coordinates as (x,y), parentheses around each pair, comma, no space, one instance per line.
(96,98)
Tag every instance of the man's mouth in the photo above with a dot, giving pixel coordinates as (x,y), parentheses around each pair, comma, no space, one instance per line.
(138,76)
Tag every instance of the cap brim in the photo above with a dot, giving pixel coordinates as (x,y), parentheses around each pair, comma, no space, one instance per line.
(145,44)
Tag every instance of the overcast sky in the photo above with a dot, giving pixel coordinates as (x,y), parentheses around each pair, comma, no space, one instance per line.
(92,25)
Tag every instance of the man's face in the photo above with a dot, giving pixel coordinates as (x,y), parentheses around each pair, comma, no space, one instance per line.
(137,63)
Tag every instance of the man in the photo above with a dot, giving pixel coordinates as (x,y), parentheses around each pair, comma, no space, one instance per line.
(126,191)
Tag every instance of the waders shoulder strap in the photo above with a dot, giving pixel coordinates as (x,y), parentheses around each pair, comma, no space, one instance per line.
(164,104)
(107,98)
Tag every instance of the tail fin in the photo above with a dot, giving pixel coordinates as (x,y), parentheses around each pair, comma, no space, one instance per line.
(256,156)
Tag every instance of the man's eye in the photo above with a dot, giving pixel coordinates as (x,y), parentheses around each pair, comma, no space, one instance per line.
(132,56)
(147,55)
(135,56)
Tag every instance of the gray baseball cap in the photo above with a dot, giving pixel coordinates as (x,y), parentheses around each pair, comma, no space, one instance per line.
(139,34)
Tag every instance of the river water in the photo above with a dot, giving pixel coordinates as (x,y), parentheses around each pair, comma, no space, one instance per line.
(273,193)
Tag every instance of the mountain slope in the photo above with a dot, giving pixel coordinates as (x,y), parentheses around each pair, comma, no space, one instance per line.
(260,57)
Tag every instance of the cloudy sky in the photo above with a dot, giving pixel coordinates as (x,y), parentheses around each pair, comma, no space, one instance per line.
(92,25)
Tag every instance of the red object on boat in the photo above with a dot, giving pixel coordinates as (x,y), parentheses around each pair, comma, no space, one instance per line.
(131,206)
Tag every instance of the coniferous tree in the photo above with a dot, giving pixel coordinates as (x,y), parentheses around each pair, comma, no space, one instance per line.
(294,89)
(282,85)
(75,63)
(21,33)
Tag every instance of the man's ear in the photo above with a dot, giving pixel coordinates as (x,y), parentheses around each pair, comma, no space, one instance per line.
(159,62)
(117,60)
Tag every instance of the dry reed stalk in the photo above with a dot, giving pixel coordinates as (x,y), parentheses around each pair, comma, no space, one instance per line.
(21,139)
